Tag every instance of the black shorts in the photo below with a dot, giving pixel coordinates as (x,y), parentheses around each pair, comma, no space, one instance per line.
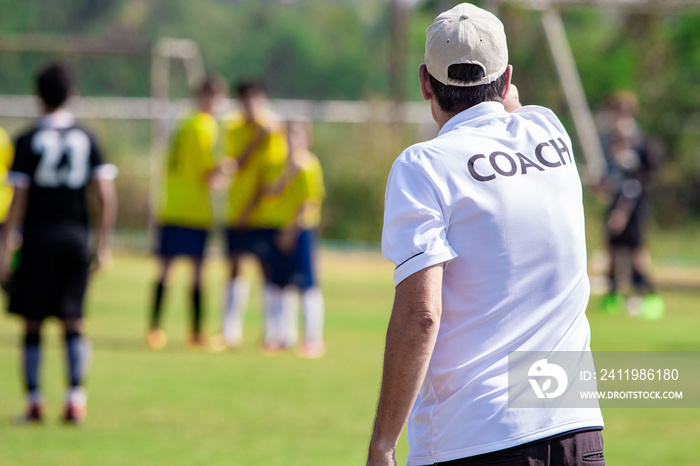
(52,274)
(580,447)
(634,232)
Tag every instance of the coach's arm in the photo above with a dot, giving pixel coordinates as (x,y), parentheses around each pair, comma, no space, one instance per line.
(410,339)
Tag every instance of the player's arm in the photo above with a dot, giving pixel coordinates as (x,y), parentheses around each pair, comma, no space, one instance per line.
(252,203)
(106,214)
(277,188)
(262,132)
(410,339)
(217,176)
(217,172)
(230,164)
(288,236)
(18,208)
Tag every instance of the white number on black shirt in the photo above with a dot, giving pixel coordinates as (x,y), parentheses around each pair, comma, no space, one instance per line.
(52,146)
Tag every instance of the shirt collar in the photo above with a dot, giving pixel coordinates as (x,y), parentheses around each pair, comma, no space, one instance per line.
(58,119)
(470,115)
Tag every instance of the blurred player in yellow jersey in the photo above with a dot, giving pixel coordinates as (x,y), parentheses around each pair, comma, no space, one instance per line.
(6,157)
(185,214)
(255,149)
(6,192)
(300,193)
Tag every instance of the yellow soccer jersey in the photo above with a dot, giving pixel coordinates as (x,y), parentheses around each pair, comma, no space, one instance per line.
(185,200)
(6,156)
(263,168)
(305,187)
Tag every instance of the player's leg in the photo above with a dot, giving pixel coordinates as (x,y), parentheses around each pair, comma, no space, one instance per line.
(77,356)
(613,267)
(273,331)
(644,302)
(639,259)
(614,302)
(312,304)
(276,301)
(31,364)
(164,268)
(290,317)
(615,225)
(156,337)
(237,291)
(197,337)
(282,274)
(28,300)
(313,309)
(70,283)
(652,306)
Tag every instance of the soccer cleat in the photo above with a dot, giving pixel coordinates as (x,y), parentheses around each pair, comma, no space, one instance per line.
(33,415)
(74,414)
(197,340)
(613,304)
(310,350)
(652,307)
(156,339)
(272,349)
(75,409)
(217,343)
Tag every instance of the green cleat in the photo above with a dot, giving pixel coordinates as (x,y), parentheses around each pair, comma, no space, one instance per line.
(653,307)
(614,304)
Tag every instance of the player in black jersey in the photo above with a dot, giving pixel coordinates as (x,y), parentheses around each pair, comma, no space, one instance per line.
(56,161)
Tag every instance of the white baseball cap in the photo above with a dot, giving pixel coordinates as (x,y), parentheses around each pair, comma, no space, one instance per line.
(466,34)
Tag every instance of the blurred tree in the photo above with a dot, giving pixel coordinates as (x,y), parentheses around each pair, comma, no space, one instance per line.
(339,49)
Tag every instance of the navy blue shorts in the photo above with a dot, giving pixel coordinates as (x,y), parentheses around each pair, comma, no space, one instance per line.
(297,267)
(260,242)
(238,240)
(181,241)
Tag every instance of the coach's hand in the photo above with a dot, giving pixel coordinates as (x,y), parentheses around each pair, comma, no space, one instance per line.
(381,459)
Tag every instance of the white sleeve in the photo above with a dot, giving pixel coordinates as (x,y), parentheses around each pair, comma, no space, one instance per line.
(549,115)
(18,179)
(415,232)
(105,171)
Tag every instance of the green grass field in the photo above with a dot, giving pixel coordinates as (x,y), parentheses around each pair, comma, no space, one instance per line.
(184,407)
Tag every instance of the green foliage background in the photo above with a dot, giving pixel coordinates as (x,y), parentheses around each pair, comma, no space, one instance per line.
(339,49)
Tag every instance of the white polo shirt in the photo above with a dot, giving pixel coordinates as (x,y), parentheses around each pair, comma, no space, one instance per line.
(498,196)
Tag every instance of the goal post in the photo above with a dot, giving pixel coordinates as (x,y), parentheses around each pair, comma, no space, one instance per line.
(161,52)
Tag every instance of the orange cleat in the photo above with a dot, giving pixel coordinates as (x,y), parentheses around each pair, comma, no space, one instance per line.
(156,339)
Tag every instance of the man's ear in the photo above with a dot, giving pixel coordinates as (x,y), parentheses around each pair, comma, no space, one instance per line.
(509,75)
(425,87)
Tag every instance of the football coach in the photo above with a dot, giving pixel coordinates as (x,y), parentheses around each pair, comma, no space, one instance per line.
(485,225)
